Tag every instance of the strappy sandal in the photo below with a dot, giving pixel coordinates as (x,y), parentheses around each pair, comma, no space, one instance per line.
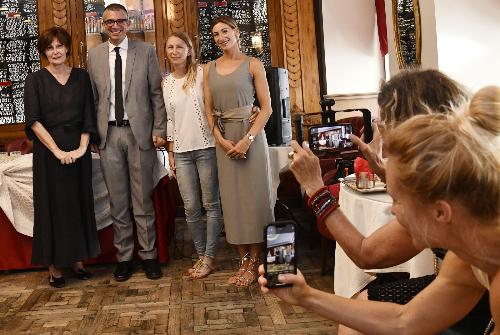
(196,265)
(250,275)
(243,268)
(203,270)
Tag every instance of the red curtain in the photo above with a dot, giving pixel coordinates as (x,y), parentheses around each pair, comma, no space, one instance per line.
(382,26)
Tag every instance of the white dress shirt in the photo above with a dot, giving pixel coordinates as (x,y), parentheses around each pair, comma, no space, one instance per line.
(112,57)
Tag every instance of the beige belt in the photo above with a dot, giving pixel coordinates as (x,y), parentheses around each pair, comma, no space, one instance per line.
(239,114)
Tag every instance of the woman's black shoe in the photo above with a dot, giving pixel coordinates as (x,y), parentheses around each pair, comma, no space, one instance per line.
(56,282)
(82,274)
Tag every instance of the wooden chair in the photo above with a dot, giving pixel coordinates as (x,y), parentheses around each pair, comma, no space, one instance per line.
(24,145)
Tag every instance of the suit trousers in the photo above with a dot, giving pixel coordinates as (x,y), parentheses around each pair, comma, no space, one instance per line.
(128,174)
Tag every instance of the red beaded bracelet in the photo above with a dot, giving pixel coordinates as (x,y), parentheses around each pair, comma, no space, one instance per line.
(322,203)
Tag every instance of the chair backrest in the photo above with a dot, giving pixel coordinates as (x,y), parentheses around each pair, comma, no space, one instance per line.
(356,121)
(24,145)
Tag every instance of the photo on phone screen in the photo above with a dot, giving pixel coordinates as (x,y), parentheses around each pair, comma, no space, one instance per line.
(330,137)
(280,254)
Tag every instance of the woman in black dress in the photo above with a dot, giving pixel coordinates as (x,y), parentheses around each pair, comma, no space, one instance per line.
(60,118)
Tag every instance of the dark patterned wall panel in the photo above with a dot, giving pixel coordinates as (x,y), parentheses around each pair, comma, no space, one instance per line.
(18,55)
(251,17)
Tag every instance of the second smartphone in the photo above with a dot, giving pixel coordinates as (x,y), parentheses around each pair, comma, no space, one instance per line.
(280,251)
(331,137)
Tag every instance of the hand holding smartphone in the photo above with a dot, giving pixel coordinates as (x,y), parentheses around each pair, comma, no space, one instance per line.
(280,251)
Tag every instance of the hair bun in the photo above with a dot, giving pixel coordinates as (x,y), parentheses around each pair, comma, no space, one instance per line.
(484,109)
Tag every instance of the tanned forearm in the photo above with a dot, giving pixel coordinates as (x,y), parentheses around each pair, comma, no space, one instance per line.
(388,246)
(455,290)
(378,318)
(44,137)
(84,141)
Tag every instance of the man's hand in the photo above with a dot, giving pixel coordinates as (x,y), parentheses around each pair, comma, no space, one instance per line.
(94,148)
(158,141)
(306,169)
(372,151)
(171,163)
(291,294)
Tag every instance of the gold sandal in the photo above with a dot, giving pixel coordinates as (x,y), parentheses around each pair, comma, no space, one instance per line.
(243,267)
(203,270)
(196,265)
(250,275)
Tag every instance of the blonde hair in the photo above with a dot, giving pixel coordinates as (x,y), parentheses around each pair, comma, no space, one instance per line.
(191,63)
(413,92)
(453,156)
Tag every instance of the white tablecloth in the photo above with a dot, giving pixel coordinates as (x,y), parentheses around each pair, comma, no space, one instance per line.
(278,158)
(16,191)
(368,212)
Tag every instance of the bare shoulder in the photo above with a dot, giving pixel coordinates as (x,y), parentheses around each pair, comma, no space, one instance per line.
(457,271)
(255,64)
(204,67)
(256,68)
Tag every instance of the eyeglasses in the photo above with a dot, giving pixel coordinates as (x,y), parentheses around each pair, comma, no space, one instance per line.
(119,22)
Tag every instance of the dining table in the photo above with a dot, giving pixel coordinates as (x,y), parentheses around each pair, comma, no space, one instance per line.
(368,211)
(16,211)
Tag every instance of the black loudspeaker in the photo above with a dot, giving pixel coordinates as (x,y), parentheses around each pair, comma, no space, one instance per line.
(279,126)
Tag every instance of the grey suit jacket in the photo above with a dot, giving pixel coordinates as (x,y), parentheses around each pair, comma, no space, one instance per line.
(143,97)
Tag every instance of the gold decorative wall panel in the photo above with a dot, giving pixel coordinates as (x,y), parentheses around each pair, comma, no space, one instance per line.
(60,13)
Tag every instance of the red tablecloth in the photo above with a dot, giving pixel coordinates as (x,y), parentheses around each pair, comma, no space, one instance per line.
(16,248)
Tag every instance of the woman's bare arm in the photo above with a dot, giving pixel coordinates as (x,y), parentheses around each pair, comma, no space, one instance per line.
(388,246)
(446,300)
(262,91)
(47,140)
(209,109)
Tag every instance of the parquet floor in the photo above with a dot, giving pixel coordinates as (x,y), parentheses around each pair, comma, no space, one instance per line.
(172,305)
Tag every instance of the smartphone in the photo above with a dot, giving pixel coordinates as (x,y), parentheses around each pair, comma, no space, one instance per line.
(280,251)
(333,137)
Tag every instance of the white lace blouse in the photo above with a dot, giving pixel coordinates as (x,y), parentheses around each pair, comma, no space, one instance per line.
(187,123)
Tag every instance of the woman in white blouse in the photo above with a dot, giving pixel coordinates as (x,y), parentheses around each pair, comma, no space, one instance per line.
(191,150)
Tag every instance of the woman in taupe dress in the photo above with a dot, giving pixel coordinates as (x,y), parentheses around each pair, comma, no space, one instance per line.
(242,153)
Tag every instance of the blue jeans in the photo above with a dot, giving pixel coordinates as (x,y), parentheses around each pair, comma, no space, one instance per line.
(197,171)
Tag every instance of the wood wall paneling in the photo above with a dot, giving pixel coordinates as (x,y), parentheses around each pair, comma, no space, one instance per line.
(79,45)
(180,15)
(191,25)
(292,54)
(308,57)
(276,33)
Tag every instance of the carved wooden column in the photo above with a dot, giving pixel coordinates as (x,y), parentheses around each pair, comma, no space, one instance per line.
(293,46)
(68,15)
(179,15)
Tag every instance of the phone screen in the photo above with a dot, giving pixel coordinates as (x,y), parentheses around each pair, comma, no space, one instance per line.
(331,137)
(280,250)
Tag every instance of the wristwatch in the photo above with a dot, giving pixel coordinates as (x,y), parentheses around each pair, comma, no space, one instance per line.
(251,137)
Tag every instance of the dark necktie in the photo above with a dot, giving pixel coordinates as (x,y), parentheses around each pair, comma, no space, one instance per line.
(118,87)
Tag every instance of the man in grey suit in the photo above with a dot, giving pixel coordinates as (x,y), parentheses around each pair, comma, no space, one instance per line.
(131,121)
